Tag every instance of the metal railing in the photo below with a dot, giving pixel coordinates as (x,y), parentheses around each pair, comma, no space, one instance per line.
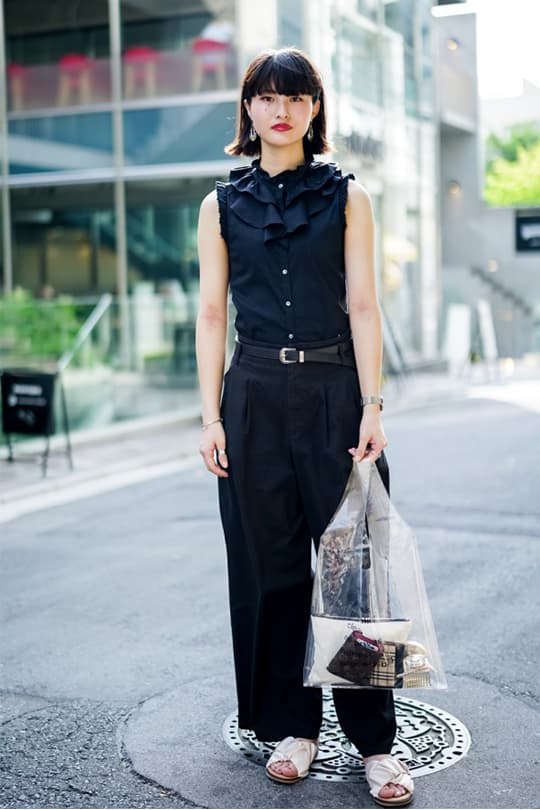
(85,331)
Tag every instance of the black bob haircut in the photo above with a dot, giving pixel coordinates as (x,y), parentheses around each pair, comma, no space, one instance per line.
(288,72)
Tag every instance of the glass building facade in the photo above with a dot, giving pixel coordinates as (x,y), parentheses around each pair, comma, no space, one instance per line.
(114,117)
(380,57)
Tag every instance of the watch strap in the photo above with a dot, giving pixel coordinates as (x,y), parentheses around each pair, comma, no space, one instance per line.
(373,401)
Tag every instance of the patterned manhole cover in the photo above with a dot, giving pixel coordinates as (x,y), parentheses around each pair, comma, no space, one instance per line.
(428,740)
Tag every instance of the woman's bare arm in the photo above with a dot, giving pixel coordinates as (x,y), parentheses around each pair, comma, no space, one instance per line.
(211,326)
(364,312)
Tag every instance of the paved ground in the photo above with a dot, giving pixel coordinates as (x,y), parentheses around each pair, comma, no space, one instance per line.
(127,452)
(108,599)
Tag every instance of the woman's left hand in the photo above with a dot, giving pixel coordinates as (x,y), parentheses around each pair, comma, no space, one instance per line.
(372,440)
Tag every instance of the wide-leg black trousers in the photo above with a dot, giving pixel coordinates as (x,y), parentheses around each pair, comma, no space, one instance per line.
(288,429)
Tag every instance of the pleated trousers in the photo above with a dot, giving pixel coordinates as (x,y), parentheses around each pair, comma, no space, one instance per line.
(288,429)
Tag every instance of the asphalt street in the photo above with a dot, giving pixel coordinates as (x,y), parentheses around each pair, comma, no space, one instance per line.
(113,600)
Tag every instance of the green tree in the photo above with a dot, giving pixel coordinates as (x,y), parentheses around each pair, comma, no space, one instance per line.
(513,177)
(525,135)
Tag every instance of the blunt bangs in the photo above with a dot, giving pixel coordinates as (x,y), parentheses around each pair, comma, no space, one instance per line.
(285,75)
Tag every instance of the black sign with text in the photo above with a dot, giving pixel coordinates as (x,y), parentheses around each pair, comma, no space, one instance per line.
(527,232)
(27,402)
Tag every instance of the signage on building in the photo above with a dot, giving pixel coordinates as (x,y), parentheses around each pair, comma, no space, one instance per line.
(527,232)
(364,145)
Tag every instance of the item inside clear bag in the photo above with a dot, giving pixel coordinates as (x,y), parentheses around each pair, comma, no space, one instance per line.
(371,623)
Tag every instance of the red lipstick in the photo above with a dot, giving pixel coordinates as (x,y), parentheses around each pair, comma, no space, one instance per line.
(281,127)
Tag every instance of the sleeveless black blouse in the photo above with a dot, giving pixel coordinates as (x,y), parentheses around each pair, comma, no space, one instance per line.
(285,241)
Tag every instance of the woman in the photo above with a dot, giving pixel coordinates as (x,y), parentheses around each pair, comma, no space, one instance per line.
(294,239)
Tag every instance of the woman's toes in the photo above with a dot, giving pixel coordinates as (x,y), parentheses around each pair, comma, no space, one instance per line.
(284,768)
(391,790)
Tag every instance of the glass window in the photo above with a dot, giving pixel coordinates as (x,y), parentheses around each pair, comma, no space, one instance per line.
(64,239)
(356,62)
(57,53)
(401,274)
(399,16)
(171,48)
(402,16)
(427,89)
(60,142)
(161,227)
(290,22)
(393,79)
(368,8)
(196,132)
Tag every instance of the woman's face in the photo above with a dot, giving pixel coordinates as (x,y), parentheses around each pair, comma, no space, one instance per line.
(281,120)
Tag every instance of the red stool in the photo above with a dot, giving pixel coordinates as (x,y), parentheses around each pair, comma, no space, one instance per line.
(75,75)
(140,69)
(210,57)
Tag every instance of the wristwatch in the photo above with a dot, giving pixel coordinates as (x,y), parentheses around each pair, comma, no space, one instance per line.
(373,401)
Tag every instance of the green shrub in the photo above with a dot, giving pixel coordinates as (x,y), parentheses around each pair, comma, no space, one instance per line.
(31,329)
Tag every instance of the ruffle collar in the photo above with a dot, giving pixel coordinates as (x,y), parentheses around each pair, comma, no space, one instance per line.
(256,200)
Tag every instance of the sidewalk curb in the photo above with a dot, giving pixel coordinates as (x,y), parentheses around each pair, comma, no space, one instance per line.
(180,420)
(62,494)
(95,437)
(126,427)
(78,478)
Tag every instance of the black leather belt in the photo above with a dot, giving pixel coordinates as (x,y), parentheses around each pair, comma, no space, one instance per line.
(289,354)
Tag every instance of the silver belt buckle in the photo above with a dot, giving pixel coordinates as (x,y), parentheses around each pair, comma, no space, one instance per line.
(284,359)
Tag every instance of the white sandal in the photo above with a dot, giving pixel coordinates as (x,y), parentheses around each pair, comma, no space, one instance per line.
(380,772)
(296,750)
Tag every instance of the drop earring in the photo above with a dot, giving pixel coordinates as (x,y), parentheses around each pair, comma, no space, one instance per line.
(252,134)
(310,132)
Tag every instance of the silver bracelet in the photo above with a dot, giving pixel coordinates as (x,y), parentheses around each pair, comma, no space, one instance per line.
(212,422)
(373,401)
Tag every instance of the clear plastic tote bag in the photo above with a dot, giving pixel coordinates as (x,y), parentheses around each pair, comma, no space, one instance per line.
(371,623)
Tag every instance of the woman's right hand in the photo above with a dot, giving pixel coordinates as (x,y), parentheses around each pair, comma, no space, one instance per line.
(213,439)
